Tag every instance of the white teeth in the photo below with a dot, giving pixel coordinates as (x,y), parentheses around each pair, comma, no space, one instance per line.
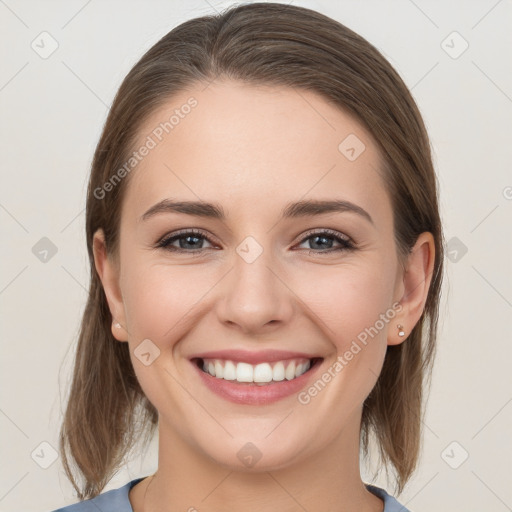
(290,371)
(301,368)
(219,370)
(244,372)
(278,372)
(261,373)
(229,371)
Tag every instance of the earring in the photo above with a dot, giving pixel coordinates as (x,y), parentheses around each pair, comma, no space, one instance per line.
(400,330)
(116,324)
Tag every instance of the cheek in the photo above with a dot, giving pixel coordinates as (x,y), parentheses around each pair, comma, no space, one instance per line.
(159,299)
(348,299)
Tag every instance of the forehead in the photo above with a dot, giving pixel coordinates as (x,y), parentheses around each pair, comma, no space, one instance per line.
(248,145)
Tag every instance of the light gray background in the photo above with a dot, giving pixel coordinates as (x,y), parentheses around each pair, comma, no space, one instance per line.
(51,114)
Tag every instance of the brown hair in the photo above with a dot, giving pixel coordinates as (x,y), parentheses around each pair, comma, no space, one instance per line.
(274,44)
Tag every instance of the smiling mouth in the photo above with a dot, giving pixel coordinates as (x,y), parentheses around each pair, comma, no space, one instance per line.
(256,374)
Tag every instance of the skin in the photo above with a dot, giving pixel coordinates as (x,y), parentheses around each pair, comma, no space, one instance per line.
(253,149)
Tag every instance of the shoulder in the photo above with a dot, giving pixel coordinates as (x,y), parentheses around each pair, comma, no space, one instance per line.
(390,503)
(115,500)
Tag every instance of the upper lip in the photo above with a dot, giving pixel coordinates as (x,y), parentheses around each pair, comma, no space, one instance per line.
(246,356)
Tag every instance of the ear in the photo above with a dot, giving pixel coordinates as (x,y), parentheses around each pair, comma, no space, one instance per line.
(414,287)
(108,273)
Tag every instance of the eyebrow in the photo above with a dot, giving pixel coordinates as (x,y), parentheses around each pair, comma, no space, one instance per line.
(291,210)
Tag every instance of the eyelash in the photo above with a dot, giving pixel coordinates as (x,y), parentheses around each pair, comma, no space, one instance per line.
(164,243)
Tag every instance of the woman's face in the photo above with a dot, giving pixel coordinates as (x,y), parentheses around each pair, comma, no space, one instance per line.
(262,278)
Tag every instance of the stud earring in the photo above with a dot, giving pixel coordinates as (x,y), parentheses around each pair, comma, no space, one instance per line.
(400,330)
(116,324)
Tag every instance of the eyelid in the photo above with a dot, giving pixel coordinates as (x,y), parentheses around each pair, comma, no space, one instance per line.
(165,240)
(327,231)
(198,231)
(346,244)
(186,231)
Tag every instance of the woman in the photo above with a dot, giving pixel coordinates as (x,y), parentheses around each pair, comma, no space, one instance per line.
(266,262)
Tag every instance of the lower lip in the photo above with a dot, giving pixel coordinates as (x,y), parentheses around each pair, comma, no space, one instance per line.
(254,394)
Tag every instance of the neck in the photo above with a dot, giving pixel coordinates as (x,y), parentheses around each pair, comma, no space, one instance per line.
(188,480)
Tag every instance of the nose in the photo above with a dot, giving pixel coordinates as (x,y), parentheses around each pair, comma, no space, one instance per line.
(255,295)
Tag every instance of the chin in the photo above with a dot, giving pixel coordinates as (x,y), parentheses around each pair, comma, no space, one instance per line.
(257,455)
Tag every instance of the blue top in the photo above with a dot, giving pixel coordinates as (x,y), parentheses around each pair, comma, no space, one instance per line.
(116,500)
